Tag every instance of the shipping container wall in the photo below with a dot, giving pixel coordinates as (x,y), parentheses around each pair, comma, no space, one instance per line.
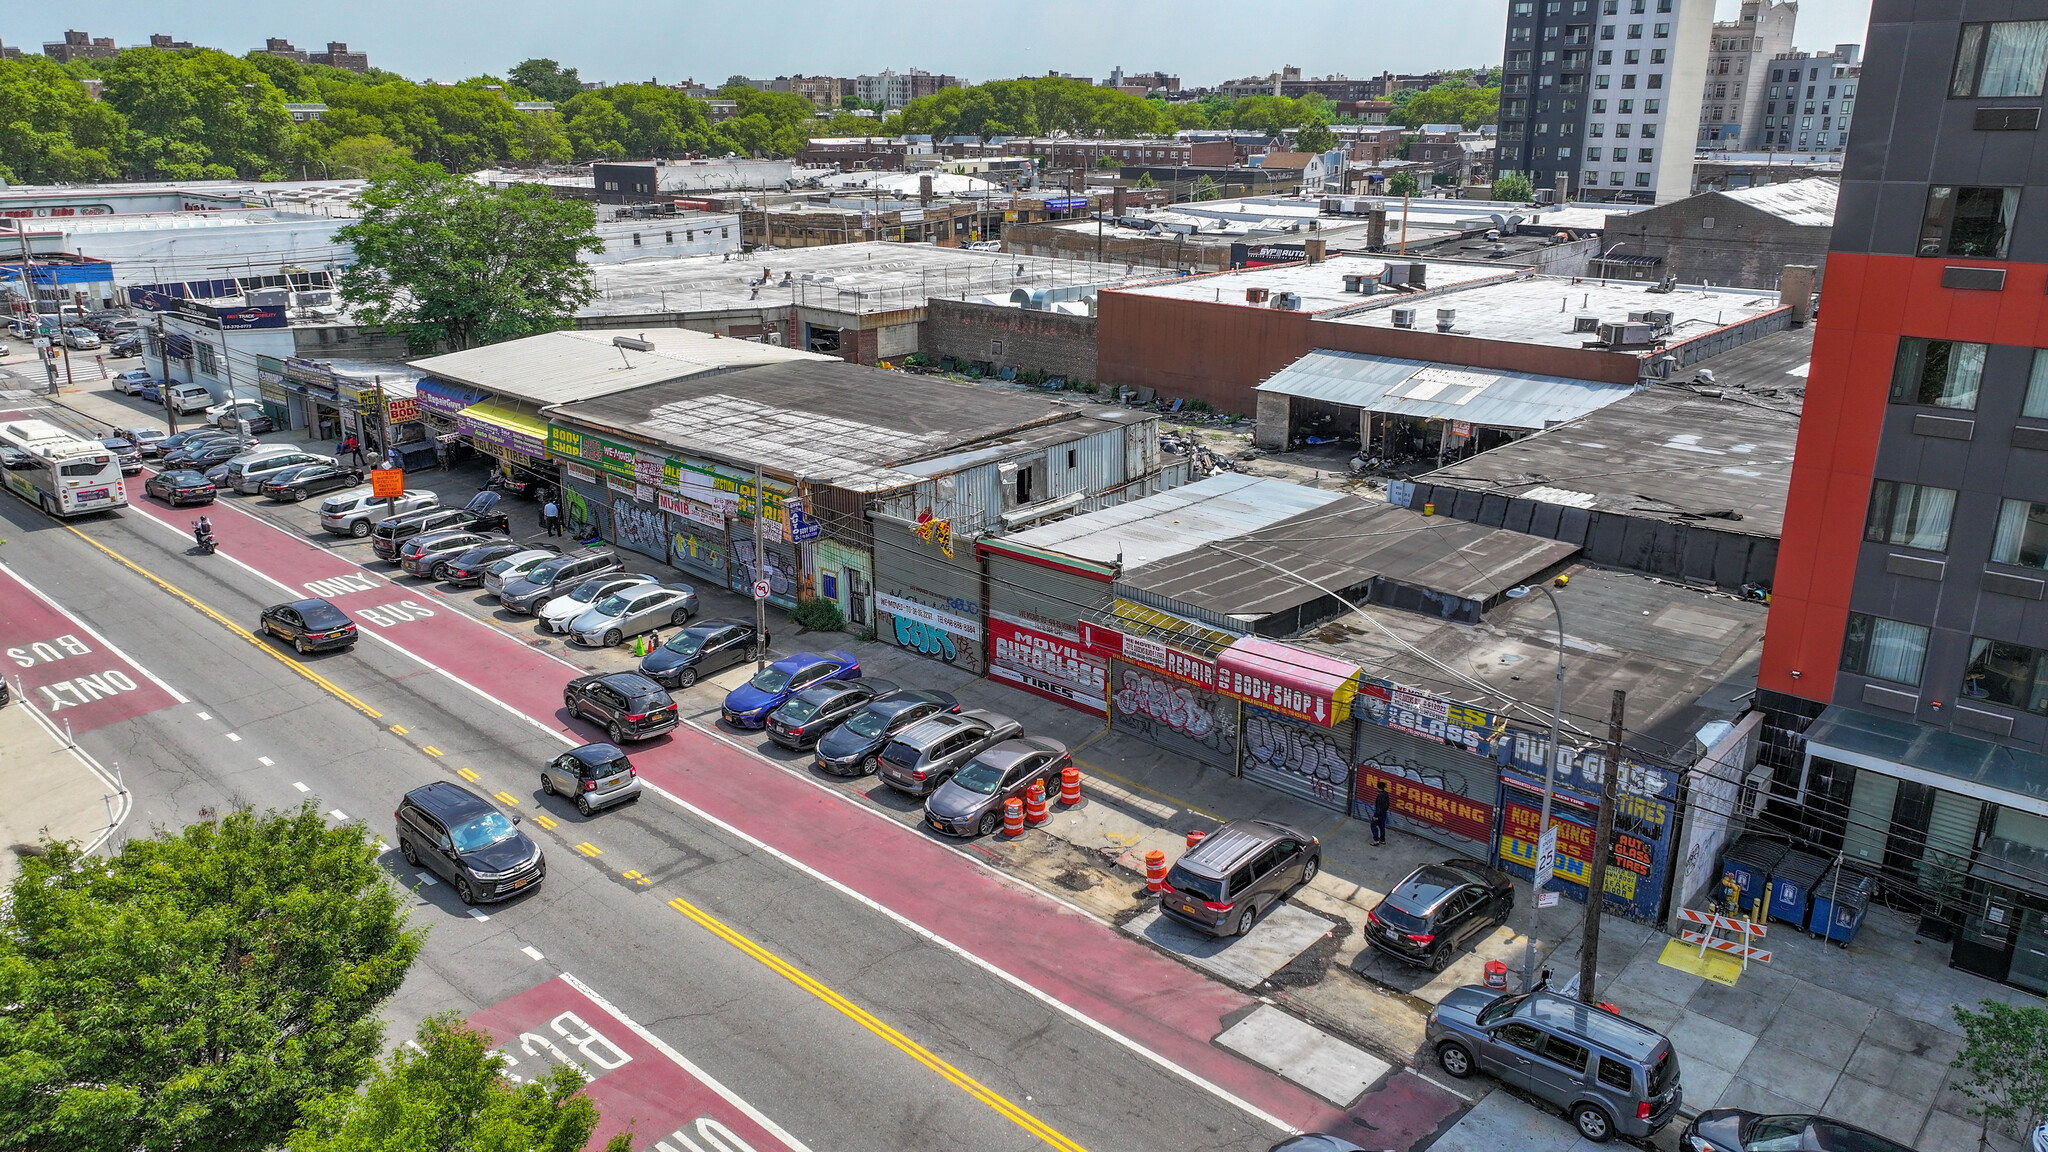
(1089,464)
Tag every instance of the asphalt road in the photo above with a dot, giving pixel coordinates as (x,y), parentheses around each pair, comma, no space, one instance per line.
(712,977)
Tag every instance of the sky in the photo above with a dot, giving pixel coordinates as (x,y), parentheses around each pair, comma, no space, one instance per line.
(1205,42)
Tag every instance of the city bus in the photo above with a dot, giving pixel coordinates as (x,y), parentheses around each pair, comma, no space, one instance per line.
(63,474)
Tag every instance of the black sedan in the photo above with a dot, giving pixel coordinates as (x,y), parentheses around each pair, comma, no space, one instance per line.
(294,484)
(1733,1130)
(627,704)
(205,456)
(126,451)
(703,648)
(804,718)
(1438,909)
(467,570)
(850,748)
(309,625)
(179,486)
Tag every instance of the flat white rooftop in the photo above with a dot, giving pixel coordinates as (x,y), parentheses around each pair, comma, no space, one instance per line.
(1320,286)
(1541,309)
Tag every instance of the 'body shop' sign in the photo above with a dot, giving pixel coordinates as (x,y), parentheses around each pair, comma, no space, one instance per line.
(1305,685)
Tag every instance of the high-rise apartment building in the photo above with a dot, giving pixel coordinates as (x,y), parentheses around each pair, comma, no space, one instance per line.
(1732,99)
(892,89)
(1905,672)
(81,46)
(1809,98)
(1545,82)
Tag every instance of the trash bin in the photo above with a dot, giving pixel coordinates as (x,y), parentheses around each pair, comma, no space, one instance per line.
(1840,900)
(1792,880)
(1748,862)
(1496,974)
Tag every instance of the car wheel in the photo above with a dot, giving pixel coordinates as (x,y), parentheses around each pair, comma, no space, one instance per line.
(870,765)
(1309,870)
(463,891)
(300,493)
(679,617)
(617,733)
(686,677)
(1592,1123)
(547,785)
(405,850)
(1440,958)
(612,636)
(1454,1058)
(304,648)
(753,651)
(569,702)
(1247,918)
(440,571)
(359,529)
(583,805)
(989,823)
(538,605)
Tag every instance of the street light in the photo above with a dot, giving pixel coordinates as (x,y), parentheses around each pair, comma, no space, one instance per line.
(1536,878)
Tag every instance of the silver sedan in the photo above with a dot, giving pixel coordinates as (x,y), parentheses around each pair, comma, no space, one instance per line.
(562,611)
(633,611)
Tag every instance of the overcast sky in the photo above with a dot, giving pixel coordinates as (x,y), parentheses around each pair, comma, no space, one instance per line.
(1203,41)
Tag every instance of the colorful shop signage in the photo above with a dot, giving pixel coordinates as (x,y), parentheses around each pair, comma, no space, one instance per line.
(1052,666)
(1421,802)
(1305,685)
(1149,653)
(1474,730)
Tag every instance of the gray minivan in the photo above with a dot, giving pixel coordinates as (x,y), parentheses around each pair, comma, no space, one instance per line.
(1221,885)
(1608,1073)
(246,473)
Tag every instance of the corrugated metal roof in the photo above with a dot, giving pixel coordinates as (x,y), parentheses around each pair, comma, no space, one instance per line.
(1442,392)
(1807,203)
(558,367)
(1158,527)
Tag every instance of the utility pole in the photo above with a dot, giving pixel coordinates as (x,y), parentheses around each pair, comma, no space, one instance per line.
(163,384)
(384,439)
(1603,842)
(760,569)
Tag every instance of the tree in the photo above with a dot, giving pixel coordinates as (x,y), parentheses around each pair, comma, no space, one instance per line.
(544,137)
(51,129)
(546,79)
(448,1096)
(449,259)
(365,157)
(1451,102)
(1402,184)
(1106,162)
(1205,189)
(1315,136)
(736,80)
(2005,1060)
(1145,180)
(1512,186)
(194,989)
(200,114)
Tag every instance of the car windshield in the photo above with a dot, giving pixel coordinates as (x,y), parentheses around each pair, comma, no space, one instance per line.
(614,605)
(1400,919)
(585,593)
(118,445)
(799,709)
(544,571)
(979,776)
(770,679)
(869,723)
(1501,1008)
(685,644)
(483,832)
(324,616)
(1207,887)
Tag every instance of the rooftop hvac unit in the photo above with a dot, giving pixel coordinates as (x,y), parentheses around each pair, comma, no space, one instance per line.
(1394,274)
(1624,334)
(1256,295)
(1446,319)
(1291,301)
(1661,317)
(1404,317)
(1351,280)
(1417,274)
(1755,793)
(1585,323)
(312,299)
(269,296)
(1367,285)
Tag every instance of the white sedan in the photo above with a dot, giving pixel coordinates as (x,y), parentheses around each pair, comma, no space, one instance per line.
(557,614)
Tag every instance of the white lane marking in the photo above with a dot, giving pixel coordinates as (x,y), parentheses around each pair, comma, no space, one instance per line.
(532,953)
(1436,1083)
(232,736)
(1020,984)
(476,915)
(301,787)
(206,715)
(426,880)
(89,630)
(339,815)
(683,1062)
(264,760)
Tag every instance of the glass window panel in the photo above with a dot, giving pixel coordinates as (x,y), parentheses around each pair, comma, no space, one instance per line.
(1969,54)
(1884,649)
(1943,373)
(2015,59)
(2006,673)
(1982,222)
(2036,403)
(2022,534)
(1911,515)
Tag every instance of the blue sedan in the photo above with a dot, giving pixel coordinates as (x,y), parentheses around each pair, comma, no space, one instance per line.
(748,705)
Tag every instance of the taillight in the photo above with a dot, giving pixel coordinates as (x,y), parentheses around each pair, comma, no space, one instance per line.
(636,718)
(1213,906)
(1167,886)
(1415,939)
(1643,1110)
(590,785)
(633,772)
(1372,917)
(919,773)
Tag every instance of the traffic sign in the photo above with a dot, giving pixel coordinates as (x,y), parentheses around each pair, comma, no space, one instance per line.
(1546,854)
(803,529)
(387,483)
(760,589)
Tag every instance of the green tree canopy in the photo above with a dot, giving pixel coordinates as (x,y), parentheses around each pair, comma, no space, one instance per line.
(546,79)
(1036,106)
(1205,189)
(193,989)
(448,1096)
(200,114)
(365,157)
(1315,136)
(51,129)
(447,258)
(1145,180)
(1512,186)
(1451,102)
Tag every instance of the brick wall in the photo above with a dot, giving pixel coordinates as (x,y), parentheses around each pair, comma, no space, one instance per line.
(1743,248)
(1049,342)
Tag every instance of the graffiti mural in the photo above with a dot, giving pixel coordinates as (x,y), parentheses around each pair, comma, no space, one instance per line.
(929,639)
(1305,759)
(1426,794)
(577,510)
(641,527)
(1175,715)
(780,571)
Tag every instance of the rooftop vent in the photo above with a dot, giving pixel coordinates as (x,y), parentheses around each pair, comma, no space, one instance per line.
(1256,295)
(1404,317)
(636,345)
(1585,323)
(1446,319)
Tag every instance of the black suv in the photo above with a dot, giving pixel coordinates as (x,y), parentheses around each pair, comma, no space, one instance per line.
(1439,909)
(462,838)
(629,705)
(480,515)
(804,718)
(920,758)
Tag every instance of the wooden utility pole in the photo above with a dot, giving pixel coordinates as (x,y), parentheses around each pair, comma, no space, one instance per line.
(1603,845)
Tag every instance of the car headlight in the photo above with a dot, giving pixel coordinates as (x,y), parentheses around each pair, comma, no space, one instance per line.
(515,870)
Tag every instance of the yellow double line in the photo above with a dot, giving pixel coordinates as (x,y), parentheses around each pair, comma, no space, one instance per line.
(230,625)
(865,1019)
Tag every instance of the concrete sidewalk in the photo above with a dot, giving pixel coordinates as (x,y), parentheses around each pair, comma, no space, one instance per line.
(55,790)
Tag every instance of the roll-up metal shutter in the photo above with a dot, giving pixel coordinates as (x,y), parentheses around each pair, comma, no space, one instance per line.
(926,601)
(780,565)
(1050,599)
(638,527)
(1294,756)
(697,547)
(1951,839)
(1174,714)
(1443,793)
(586,508)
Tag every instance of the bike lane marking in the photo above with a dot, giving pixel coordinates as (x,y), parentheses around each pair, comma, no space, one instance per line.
(67,668)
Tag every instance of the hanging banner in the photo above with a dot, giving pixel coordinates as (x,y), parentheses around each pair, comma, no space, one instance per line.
(580,472)
(1424,802)
(1305,685)
(965,627)
(1149,653)
(1051,666)
(1637,866)
(1431,717)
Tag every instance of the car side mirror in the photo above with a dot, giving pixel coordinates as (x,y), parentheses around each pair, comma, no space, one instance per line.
(517,819)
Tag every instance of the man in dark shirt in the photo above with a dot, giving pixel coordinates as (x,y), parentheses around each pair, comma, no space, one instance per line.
(1382,803)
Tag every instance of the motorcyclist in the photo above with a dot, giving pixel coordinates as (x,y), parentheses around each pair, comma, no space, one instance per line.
(202,531)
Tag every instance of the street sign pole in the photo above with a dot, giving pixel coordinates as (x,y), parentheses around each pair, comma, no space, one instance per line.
(760,570)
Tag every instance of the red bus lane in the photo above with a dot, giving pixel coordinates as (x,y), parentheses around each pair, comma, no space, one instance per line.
(65,668)
(1145,1001)
(637,1082)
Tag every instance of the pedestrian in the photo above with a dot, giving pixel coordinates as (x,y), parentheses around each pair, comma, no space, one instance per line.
(551,518)
(1382,803)
(353,447)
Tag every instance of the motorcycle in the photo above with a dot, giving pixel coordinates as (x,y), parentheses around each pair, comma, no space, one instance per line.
(203,536)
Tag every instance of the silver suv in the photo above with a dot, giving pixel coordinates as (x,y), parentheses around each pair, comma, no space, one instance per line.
(557,577)
(356,511)
(926,754)
(1608,1073)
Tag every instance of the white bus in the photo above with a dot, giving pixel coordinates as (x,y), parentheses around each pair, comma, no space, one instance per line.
(62,474)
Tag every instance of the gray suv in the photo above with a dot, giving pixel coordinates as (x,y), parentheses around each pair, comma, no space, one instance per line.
(923,755)
(1610,1074)
(1240,870)
(538,585)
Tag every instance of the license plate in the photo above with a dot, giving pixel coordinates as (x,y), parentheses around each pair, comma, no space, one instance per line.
(1189,909)
(939,824)
(523,883)
(94,494)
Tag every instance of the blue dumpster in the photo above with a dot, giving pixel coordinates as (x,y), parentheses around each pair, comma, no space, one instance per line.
(1840,900)
(1792,881)
(1748,862)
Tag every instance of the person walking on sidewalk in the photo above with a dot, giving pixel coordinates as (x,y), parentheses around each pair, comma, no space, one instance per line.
(551,518)
(1382,803)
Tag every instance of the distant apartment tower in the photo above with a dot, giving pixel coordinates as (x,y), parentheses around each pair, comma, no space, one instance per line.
(1732,100)
(1649,63)
(1150,81)
(167,42)
(278,47)
(7,53)
(338,56)
(81,46)
(1809,98)
(893,89)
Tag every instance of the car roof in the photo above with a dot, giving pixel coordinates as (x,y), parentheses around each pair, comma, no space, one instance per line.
(599,753)
(310,605)
(442,535)
(1618,1034)
(1010,751)
(631,682)
(1426,887)
(1231,845)
(448,801)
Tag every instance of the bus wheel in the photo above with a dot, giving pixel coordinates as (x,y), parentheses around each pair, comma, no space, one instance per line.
(49,507)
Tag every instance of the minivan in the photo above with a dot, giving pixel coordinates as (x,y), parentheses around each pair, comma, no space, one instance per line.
(464,839)
(1608,1073)
(352,513)
(246,474)
(1221,885)
(387,535)
(186,399)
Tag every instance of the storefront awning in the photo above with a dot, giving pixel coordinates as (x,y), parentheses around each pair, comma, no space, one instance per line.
(505,426)
(1932,756)
(1305,685)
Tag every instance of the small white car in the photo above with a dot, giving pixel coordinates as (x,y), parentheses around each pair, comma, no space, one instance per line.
(556,614)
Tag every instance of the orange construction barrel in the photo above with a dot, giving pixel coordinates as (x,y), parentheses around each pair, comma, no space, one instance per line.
(1196,836)
(1070,785)
(1496,974)
(1034,803)
(1013,817)
(1155,870)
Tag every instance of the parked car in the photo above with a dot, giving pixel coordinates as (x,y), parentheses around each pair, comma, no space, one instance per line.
(524,482)
(148,440)
(1439,909)
(205,456)
(150,390)
(467,570)
(225,413)
(595,776)
(179,486)
(186,398)
(748,705)
(1734,1130)
(125,451)
(82,339)
(628,705)
(125,344)
(970,802)
(1608,1073)
(295,484)
(309,625)
(920,758)
(458,834)
(128,383)
(177,440)
(633,611)
(189,445)
(218,475)
(428,554)
(356,511)
(532,589)
(703,648)
(248,472)
(805,717)
(851,748)
(480,515)
(1242,869)
(509,568)
(559,613)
